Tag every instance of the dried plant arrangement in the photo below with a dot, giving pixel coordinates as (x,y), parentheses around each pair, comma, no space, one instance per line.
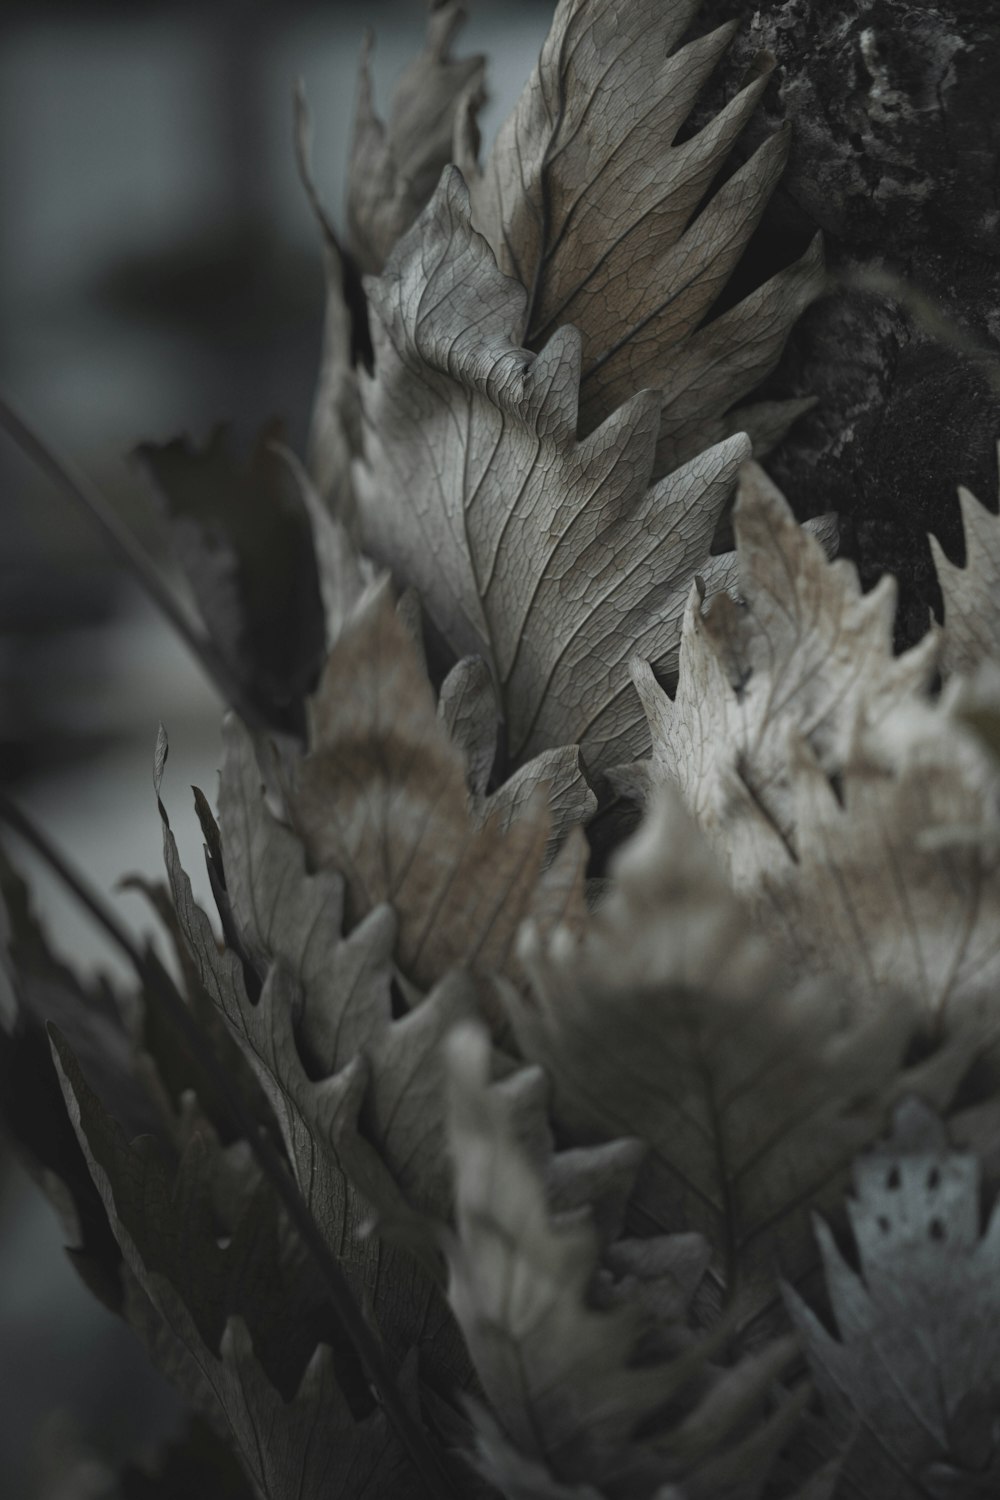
(594,1092)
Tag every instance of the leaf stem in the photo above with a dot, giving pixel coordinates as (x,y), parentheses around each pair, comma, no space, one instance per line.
(426,1459)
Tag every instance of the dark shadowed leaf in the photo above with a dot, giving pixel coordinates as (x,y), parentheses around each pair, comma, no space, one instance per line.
(242,536)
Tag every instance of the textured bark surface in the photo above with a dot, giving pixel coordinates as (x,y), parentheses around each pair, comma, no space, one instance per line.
(896,157)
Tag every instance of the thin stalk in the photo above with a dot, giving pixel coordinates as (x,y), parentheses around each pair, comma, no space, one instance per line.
(129,551)
(425,1457)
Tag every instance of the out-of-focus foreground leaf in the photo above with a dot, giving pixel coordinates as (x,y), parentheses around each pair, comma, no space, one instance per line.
(394,165)
(578,1408)
(671,1019)
(858,817)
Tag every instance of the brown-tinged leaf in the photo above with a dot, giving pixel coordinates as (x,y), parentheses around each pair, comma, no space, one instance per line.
(589,200)
(394,165)
(553,559)
(382,799)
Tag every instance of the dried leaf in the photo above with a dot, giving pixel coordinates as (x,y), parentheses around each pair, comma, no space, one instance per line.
(857,818)
(230,1301)
(467,705)
(242,537)
(971,594)
(382,799)
(914,1375)
(897,881)
(353,1091)
(671,1019)
(394,166)
(806,653)
(553,559)
(588,202)
(561,1370)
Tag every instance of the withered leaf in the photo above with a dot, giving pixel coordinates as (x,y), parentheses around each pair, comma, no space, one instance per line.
(227,1301)
(382,799)
(589,200)
(242,536)
(897,881)
(395,165)
(857,817)
(349,1086)
(553,559)
(671,1019)
(805,653)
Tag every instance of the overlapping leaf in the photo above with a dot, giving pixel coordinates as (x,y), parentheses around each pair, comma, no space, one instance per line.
(591,203)
(227,1303)
(353,1091)
(672,1020)
(575,1409)
(394,166)
(382,799)
(857,817)
(467,706)
(806,653)
(897,882)
(36,989)
(911,1380)
(554,559)
(971,594)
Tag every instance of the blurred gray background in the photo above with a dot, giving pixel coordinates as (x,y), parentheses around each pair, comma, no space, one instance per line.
(159,271)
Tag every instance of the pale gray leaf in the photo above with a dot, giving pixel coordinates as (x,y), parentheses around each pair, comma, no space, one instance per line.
(591,563)
(806,653)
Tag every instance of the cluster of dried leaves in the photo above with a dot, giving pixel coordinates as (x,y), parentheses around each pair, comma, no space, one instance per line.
(657,1177)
